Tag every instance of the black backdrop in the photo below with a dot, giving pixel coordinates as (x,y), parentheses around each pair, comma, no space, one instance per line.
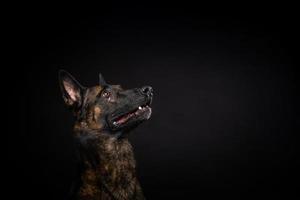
(224,99)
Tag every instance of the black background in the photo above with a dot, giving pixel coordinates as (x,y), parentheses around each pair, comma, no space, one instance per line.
(224,109)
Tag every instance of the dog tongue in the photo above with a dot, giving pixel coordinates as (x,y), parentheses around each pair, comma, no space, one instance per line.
(124,118)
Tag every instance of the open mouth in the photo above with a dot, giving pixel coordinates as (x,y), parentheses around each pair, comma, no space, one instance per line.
(142,113)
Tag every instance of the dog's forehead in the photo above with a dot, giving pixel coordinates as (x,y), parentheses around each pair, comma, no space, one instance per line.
(93,92)
(117,87)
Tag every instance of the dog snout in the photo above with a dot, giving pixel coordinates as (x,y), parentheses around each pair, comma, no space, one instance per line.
(147,90)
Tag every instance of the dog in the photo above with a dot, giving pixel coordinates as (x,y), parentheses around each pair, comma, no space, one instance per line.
(104,116)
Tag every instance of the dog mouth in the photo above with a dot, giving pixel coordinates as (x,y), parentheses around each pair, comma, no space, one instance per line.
(141,110)
(131,118)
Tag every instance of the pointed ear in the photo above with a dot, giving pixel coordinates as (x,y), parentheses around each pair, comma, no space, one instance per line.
(71,89)
(102,81)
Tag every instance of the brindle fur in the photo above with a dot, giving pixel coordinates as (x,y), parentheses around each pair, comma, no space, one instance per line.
(107,164)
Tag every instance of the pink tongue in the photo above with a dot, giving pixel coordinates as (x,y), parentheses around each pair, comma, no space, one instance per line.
(124,119)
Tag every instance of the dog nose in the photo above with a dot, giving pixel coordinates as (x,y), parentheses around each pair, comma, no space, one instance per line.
(147,90)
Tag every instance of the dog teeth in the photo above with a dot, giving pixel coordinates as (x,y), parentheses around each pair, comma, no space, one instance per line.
(114,123)
(140,108)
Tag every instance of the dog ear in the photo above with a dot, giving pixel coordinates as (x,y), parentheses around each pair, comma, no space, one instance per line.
(71,89)
(102,82)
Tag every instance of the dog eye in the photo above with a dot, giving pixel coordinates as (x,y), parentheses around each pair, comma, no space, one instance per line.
(106,94)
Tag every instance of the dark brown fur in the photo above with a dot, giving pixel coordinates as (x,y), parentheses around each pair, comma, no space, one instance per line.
(113,175)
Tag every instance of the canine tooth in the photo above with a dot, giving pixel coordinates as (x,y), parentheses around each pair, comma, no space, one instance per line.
(140,108)
(114,123)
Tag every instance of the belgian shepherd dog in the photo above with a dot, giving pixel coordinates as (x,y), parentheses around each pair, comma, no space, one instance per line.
(104,116)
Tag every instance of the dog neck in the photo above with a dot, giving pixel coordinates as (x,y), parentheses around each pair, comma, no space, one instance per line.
(107,166)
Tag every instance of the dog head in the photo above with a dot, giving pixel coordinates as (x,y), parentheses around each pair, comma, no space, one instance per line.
(104,107)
